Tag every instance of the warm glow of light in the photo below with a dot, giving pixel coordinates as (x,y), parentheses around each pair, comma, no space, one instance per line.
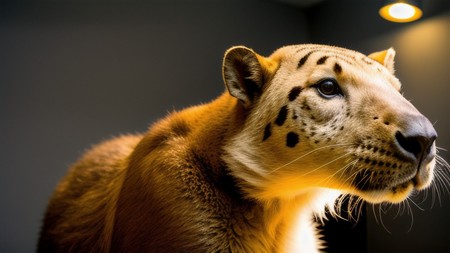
(400,12)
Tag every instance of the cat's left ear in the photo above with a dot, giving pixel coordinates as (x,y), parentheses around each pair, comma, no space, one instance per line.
(245,73)
(385,58)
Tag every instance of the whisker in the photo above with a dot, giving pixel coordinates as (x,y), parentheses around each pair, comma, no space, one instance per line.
(385,207)
(350,177)
(425,195)
(309,153)
(411,213)
(360,212)
(400,210)
(420,208)
(439,184)
(374,214)
(355,205)
(343,169)
(442,178)
(338,206)
(434,190)
(380,209)
(328,163)
(439,148)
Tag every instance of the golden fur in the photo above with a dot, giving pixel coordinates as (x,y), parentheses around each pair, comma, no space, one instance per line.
(248,171)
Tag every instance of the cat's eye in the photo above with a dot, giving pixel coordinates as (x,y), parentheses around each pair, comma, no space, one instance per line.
(328,88)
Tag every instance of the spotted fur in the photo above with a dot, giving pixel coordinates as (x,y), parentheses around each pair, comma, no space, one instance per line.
(248,171)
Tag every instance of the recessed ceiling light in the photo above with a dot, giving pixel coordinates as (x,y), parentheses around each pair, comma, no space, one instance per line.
(401,11)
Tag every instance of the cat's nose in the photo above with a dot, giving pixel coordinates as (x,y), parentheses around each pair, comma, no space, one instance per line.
(416,137)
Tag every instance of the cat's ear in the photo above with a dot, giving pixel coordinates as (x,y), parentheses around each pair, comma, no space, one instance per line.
(385,58)
(245,73)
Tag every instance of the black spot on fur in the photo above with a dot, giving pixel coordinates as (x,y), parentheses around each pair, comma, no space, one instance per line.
(267,132)
(322,60)
(292,139)
(293,94)
(337,69)
(303,60)
(282,115)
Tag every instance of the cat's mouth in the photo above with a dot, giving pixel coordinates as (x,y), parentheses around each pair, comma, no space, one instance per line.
(391,186)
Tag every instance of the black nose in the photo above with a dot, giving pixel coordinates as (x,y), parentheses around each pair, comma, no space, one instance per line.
(417,137)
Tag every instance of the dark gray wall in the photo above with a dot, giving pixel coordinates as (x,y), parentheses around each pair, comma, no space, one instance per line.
(77,72)
(422,63)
